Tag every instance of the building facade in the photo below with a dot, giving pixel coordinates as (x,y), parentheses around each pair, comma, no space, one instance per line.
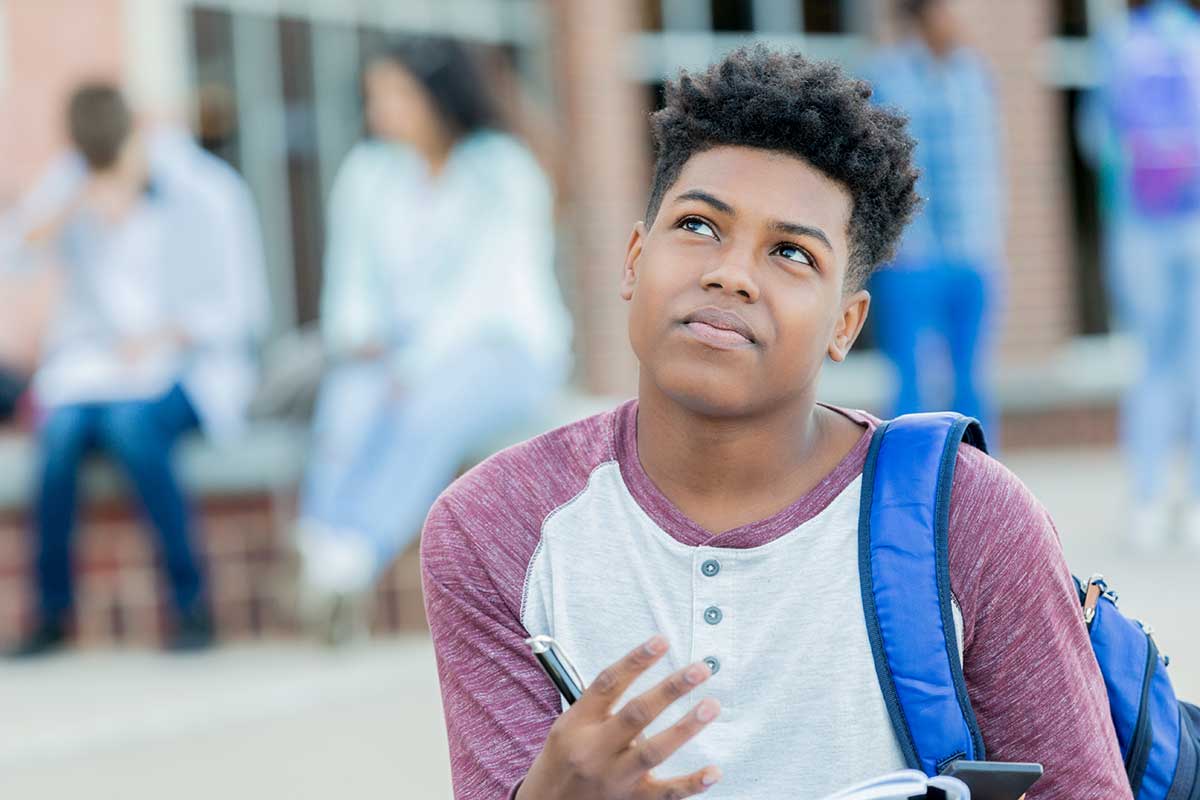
(277,82)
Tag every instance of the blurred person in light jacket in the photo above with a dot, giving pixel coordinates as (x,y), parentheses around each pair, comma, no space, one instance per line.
(1140,128)
(162,302)
(441,313)
(946,278)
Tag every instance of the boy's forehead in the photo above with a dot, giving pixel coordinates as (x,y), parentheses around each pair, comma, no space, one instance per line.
(767,184)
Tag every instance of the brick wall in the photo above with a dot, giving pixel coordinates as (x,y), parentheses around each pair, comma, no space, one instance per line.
(1040,311)
(121,598)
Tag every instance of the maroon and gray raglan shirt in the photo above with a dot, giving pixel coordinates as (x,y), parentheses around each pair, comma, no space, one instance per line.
(566,535)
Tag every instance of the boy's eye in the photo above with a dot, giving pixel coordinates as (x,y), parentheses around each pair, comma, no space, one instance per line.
(793,253)
(697,225)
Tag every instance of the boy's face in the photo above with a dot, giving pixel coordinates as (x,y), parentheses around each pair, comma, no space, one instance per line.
(737,290)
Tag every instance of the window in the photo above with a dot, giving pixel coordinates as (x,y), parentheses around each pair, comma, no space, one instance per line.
(214,74)
(732,15)
(1091,295)
(1072,18)
(303,176)
(652,16)
(824,16)
(297,77)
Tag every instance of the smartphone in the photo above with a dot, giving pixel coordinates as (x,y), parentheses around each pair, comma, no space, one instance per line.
(557,666)
(995,780)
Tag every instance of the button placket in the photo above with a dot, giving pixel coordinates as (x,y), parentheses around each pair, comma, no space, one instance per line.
(711,628)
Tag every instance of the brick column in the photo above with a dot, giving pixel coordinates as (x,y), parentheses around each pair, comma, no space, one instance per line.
(1041,306)
(605,142)
(50,46)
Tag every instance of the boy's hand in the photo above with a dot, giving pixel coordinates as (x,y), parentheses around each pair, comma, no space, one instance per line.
(594,754)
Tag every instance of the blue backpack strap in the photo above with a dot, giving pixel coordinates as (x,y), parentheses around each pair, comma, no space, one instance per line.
(904,564)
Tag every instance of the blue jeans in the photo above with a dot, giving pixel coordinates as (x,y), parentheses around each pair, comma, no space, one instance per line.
(382,454)
(139,435)
(950,301)
(1154,275)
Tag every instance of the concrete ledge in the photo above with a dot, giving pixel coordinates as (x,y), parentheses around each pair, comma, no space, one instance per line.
(1087,372)
(270,456)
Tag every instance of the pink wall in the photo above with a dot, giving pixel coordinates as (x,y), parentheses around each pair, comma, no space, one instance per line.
(51,46)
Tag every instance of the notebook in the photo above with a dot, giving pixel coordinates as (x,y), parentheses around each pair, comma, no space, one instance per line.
(904,785)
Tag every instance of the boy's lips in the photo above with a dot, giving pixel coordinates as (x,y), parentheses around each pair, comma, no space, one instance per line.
(719,328)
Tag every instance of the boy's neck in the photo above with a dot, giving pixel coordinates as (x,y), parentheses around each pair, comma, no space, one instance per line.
(725,473)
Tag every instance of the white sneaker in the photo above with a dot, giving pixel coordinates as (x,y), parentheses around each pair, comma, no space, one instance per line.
(349,562)
(337,570)
(1150,531)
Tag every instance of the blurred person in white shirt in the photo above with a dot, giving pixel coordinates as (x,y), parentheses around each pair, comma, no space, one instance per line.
(441,312)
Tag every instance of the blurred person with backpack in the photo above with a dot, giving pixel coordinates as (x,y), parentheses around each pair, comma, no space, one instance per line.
(441,314)
(162,298)
(946,277)
(1141,128)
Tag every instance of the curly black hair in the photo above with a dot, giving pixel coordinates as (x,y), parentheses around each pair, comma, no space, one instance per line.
(780,101)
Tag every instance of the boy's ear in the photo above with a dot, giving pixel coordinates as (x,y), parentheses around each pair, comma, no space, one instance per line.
(633,253)
(849,324)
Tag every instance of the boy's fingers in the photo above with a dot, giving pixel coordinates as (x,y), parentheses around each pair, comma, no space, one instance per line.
(640,711)
(648,754)
(612,682)
(698,782)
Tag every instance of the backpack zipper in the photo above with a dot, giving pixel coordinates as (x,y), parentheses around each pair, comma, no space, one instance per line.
(1139,745)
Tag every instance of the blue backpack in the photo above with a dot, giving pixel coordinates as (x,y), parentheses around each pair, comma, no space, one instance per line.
(1156,112)
(905,573)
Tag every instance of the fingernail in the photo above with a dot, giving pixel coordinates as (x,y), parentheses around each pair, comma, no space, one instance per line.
(655,646)
(695,674)
(710,777)
(707,710)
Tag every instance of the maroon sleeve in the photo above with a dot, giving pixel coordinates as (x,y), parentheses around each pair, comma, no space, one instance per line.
(476,546)
(1033,681)
(498,705)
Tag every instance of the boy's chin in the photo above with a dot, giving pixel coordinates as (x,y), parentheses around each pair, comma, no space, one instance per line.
(710,394)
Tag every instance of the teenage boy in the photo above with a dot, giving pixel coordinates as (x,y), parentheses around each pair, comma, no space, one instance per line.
(714,518)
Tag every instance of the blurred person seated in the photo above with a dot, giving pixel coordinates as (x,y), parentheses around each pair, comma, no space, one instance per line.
(162,300)
(441,314)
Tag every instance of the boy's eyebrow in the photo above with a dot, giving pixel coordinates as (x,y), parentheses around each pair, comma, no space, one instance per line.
(705,197)
(795,229)
(790,228)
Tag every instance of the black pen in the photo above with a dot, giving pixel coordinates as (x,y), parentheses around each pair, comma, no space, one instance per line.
(556,664)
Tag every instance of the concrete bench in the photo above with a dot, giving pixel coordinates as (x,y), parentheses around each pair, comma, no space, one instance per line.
(270,456)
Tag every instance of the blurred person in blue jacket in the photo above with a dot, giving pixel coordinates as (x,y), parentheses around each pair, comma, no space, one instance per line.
(1140,128)
(441,313)
(946,278)
(162,301)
